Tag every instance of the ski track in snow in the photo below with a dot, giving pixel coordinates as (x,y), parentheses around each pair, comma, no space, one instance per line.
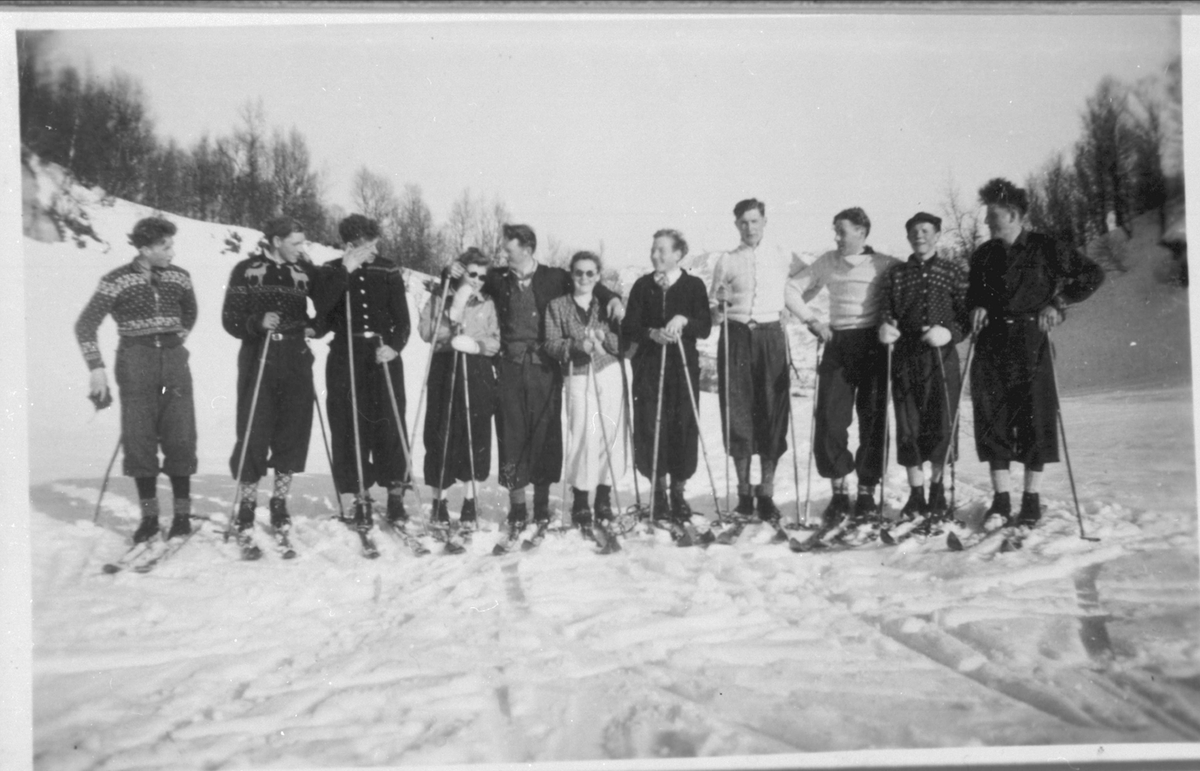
(330,659)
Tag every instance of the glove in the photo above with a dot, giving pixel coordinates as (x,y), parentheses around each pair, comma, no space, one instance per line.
(465,343)
(936,336)
(888,333)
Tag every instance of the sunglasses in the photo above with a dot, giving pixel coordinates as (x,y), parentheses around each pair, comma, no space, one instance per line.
(474,274)
(584,273)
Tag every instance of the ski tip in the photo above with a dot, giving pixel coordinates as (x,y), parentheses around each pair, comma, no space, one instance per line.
(953,543)
(110,569)
(886,537)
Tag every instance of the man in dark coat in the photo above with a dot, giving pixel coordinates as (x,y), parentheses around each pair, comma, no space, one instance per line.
(666,306)
(378,331)
(1019,287)
(529,381)
(266,305)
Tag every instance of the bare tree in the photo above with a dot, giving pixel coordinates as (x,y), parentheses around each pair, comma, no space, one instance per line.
(963,229)
(375,197)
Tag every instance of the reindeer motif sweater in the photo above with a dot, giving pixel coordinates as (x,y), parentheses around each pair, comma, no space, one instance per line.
(259,285)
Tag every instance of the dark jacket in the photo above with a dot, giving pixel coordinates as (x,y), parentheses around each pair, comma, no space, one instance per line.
(1036,271)
(378,295)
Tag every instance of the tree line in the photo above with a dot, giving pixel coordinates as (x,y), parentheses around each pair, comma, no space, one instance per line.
(99,129)
(1117,168)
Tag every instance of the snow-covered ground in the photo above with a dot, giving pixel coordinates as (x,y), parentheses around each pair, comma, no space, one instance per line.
(560,654)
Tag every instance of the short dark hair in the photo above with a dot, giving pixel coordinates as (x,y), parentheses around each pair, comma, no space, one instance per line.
(855,216)
(473,256)
(581,256)
(923,216)
(676,237)
(150,230)
(750,203)
(523,234)
(1000,192)
(280,227)
(357,226)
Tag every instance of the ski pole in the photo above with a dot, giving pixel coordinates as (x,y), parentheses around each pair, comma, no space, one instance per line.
(570,436)
(887,430)
(362,489)
(728,406)
(104,484)
(626,411)
(237,495)
(337,495)
(812,431)
(470,439)
(446,425)
(612,476)
(949,417)
(662,373)
(962,384)
(405,447)
(787,348)
(696,411)
(437,320)
(1066,453)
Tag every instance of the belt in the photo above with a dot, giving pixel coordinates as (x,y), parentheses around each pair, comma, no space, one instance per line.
(163,340)
(1019,317)
(753,325)
(367,334)
(277,335)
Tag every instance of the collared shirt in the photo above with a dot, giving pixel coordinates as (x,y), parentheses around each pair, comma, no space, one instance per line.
(854,284)
(669,278)
(918,294)
(755,280)
(142,301)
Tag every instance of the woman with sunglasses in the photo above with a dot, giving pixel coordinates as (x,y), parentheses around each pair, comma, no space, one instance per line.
(464,339)
(580,335)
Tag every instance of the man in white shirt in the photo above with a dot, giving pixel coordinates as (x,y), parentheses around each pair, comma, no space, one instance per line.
(749,285)
(852,375)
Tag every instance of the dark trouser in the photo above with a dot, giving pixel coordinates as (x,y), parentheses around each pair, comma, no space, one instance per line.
(1012,392)
(480,381)
(679,436)
(529,422)
(156,410)
(852,378)
(759,390)
(283,415)
(924,402)
(383,459)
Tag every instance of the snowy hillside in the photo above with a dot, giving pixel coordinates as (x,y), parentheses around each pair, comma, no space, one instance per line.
(559,654)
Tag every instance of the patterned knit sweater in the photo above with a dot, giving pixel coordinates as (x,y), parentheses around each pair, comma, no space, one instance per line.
(259,285)
(142,302)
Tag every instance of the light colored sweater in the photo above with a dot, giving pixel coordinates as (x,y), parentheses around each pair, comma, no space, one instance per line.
(854,283)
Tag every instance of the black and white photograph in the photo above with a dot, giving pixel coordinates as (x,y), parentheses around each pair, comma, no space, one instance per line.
(598,386)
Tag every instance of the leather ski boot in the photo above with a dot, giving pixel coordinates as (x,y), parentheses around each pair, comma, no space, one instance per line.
(148,528)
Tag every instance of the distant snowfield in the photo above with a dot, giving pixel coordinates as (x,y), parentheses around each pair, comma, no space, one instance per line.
(563,655)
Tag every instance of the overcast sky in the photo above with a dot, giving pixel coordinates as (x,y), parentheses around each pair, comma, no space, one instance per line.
(605,128)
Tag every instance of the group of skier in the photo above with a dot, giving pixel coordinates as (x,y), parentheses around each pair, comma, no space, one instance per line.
(511,342)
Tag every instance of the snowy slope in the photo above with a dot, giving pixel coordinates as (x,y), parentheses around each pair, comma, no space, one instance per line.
(655,652)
